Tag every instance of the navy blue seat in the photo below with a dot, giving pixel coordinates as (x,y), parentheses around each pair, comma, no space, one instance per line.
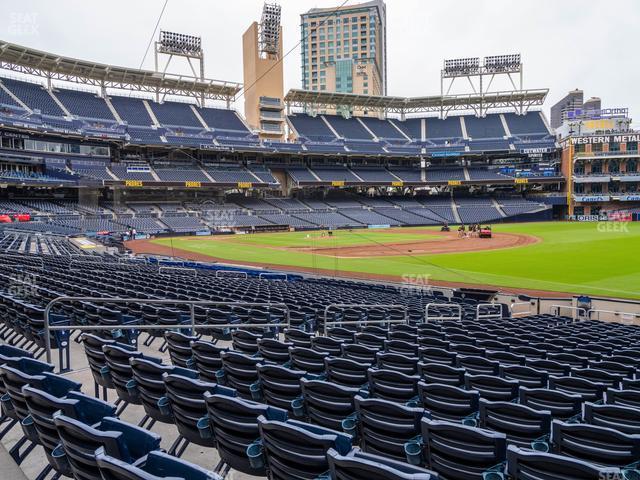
(179,347)
(441,373)
(493,388)
(42,407)
(625,398)
(307,359)
(240,372)
(383,427)
(623,419)
(293,449)
(446,402)
(348,373)
(206,358)
(153,466)
(457,451)
(357,465)
(325,403)
(119,439)
(561,405)
(524,464)
(521,424)
(234,425)
(393,386)
(185,404)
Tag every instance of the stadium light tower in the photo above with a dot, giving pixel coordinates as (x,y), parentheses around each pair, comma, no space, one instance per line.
(475,72)
(269,31)
(172,44)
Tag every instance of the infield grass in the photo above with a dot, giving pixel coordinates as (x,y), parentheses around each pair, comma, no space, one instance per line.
(586,258)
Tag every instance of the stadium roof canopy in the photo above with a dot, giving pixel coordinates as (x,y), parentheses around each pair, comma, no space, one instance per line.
(519,100)
(35,62)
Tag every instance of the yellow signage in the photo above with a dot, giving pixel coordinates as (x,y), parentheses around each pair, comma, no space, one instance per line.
(337,183)
(245,185)
(133,183)
(522,180)
(192,184)
(397,184)
(454,183)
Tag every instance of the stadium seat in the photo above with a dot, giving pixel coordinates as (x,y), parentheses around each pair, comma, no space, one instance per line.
(383,427)
(457,451)
(147,379)
(595,444)
(119,439)
(184,404)
(359,353)
(325,403)
(179,347)
(588,390)
(623,419)
(206,359)
(234,426)
(398,362)
(625,398)
(393,386)
(521,424)
(441,373)
(277,386)
(357,465)
(446,402)
(524,464)
(348,373)
(292,449)
(307,359)
(97,364)
(562,405)
(239,371)
(42,406)
(118,367)
(153,466)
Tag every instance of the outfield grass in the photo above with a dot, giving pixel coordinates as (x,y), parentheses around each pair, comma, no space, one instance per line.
(572,257)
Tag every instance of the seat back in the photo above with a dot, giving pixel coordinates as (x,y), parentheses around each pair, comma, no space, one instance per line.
(240,372)
(358,465)
(395,361)
(206,359)
(119,440)
(187,405)
(561,405)
(154,466)
(625,398)
(279,385)
(179,347)
(523,464)
(521,424)
(588,390)
(492,388)
(359,353)
(526,376)
(476,365)
(234,424)
(273,350)
(348,373)
(327,404)
(117,361)
(441,373)
(393,386)
(446,402)
(307,359)
(384,427)
(623,419)
(295,449)
(601,445)
(457,451)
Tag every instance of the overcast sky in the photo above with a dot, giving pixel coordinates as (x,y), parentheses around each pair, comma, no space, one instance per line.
(565,44)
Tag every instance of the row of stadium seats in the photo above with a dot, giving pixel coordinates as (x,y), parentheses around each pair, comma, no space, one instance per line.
(572,363)
(144,121)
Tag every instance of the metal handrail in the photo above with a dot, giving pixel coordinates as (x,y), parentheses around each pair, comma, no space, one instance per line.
(193,271)
(558,308)
(614,312)
(448,317)
(483,316)
(263,275)
(191,303)
(231,274)
(359,322)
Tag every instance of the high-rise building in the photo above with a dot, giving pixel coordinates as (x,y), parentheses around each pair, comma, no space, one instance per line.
(345,49)
(570,102)
(263,75)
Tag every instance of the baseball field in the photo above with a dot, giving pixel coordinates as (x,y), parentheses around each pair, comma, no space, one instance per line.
(583,258)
